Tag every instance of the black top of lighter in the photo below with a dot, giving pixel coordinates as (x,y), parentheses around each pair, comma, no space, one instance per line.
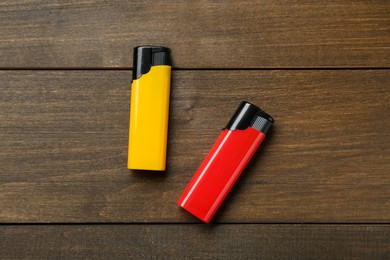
(147,56)
(249,115)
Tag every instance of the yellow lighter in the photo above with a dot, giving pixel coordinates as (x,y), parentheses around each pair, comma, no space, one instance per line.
(149,108)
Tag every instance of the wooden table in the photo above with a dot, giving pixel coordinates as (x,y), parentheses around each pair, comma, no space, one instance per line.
(318,189)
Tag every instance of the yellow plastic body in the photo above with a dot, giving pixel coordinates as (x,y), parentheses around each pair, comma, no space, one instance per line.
(149,109)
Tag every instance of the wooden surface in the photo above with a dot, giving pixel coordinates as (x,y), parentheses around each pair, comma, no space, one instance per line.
(217,34)
(197,241)
(65,133)
(319,188)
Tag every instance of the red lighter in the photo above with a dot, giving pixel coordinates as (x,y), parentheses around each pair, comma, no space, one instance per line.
(226,160)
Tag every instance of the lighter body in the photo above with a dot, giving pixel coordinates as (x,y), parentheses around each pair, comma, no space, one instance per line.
(225,162)
(149,110)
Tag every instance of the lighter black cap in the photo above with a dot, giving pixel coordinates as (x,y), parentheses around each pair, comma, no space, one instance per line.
(249,115)
(147,56)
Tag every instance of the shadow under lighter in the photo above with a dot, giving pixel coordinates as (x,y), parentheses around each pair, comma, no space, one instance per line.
(149,108)
(226,160)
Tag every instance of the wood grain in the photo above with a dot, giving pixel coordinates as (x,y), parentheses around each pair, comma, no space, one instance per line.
(195,242)
(202,34)
(63,146)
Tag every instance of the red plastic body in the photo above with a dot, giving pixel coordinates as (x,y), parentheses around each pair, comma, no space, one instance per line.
(219,171)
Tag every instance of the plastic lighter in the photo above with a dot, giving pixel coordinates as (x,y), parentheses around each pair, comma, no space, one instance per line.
(226,160)
(149,108)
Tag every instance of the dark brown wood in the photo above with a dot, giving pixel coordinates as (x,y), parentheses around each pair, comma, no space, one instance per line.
(196,241)
(64,134)
(206,34)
